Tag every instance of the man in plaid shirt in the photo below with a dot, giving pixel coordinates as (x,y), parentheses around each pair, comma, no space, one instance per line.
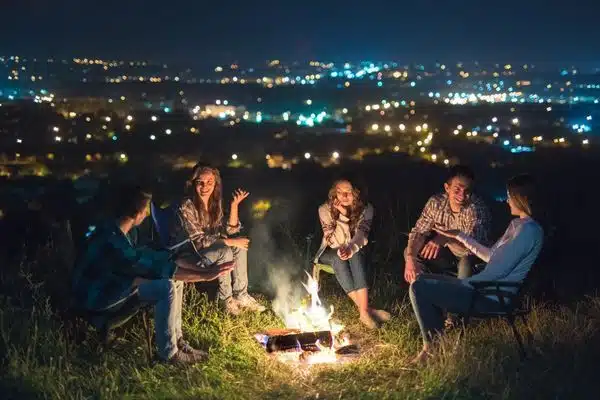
(112,270)
(457,209)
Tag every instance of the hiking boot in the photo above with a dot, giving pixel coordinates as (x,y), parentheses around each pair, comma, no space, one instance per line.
(185,347)
(181,358)
(232,307)
(249,303)
(368,321)
(380,315)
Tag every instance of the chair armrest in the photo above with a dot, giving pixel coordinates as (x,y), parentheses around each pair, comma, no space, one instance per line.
(494,284)
(501,290)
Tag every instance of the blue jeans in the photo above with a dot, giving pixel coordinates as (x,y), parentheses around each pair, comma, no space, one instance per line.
(349,273)
(433,295)
(234,283)
(167,297)
(444,263)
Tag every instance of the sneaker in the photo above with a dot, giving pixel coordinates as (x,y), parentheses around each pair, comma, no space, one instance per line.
(185,347)
(249,303)
(181,358)
(231,306)
(368,321)
(380,315)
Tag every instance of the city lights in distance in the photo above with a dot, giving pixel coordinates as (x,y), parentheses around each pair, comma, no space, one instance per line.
(335,155)
(234,156)
(57,139)
(402,127)
(374,127)
(129,118)
(154,118)
(307,155)
(168,131)
(56,129)
(152,137)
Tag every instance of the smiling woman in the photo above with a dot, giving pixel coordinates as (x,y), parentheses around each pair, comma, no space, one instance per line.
(202,220)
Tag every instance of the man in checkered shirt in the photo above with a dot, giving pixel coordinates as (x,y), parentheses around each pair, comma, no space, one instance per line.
(456,208)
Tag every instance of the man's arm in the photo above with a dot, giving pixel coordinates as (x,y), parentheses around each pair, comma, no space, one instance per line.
(422,228)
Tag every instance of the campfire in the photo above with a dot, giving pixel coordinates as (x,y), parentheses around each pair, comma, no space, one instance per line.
(311,335)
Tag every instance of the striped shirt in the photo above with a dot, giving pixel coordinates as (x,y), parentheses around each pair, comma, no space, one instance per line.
(473,220)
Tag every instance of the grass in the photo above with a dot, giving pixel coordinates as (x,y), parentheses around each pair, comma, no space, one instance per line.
(37,361)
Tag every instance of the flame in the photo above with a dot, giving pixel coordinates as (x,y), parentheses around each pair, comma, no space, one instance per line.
(312,316)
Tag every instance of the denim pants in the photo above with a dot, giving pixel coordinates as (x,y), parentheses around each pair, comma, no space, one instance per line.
(167,297)
(349,273)
(433,295)
(444,263)
(234,283)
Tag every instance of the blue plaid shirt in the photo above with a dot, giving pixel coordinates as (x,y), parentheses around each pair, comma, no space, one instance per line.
(104,273)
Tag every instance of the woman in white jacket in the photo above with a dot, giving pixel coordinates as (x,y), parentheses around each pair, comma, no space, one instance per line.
(346,222)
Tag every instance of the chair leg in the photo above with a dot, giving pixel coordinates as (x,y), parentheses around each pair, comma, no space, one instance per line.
(148,330)
(517,335)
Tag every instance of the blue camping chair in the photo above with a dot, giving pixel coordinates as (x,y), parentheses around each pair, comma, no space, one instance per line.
(162,219)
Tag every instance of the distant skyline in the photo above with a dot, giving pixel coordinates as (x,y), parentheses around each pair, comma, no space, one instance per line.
(199,33)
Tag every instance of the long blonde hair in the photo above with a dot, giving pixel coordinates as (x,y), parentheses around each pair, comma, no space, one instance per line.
(214,213)
(356,209)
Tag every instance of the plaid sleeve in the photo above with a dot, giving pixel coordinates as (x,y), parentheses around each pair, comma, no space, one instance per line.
(423,225)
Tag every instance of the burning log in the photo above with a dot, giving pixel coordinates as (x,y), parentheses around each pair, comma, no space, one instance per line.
(306,341)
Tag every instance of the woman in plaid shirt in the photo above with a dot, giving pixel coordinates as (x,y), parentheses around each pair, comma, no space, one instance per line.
(201,216)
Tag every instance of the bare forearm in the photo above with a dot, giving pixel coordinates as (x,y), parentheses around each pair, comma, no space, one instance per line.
(234,219)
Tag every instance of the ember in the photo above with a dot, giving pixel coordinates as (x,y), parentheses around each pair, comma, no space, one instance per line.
(311,336)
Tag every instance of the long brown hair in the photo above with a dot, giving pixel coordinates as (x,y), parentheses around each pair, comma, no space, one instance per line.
(356,209)
(214,214)
(521,190)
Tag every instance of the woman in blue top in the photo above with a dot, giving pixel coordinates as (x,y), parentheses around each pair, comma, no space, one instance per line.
(508,260)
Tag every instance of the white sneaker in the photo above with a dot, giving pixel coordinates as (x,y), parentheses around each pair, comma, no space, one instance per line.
(249,303)
(232,307)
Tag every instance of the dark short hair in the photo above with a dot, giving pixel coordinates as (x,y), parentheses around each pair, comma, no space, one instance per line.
(131,199)
(521,189)
(461,171)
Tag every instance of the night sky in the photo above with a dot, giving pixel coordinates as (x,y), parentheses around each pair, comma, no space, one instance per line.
(207,32)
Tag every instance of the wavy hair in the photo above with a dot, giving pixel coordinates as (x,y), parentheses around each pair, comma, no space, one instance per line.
(355,210)
(214,214)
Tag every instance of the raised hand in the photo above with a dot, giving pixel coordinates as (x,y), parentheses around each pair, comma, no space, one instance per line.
(338,206)
(238,196)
